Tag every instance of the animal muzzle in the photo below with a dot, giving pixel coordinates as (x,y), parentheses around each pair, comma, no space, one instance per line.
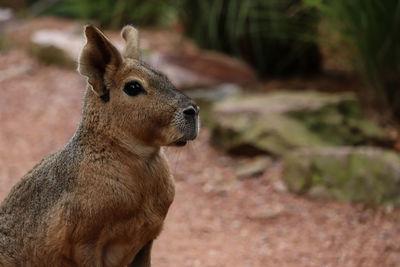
(188,124)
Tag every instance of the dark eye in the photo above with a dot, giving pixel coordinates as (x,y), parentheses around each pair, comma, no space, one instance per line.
(134,88)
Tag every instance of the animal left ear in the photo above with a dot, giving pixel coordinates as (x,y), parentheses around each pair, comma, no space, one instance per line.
(131,37)
(97,58)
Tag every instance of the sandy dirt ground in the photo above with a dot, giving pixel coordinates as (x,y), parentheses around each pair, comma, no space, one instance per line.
(216,218)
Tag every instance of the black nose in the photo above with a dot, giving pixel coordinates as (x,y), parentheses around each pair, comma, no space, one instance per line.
(191,111)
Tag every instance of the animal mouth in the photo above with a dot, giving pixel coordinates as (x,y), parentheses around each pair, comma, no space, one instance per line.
(180,143)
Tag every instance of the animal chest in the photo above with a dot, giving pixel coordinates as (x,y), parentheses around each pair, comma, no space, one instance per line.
(144,225)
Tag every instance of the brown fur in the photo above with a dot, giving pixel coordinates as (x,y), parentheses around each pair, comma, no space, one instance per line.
(102,199)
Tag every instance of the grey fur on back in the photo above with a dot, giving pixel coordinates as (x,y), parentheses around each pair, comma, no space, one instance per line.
(38,191)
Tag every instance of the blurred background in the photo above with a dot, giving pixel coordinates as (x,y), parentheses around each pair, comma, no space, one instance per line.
(297,162)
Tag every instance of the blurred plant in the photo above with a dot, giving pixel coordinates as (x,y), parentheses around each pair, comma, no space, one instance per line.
(4,43)
(276,36)
(111,13)
(370,29)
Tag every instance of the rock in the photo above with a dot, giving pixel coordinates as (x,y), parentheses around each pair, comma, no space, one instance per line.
(272,134)
(364,174)
(215,93)
(206,97)
(279,186)
(267,213)
(6,14)
(14,71)
(201,68)
(282,102)
(278,122)
(253,168)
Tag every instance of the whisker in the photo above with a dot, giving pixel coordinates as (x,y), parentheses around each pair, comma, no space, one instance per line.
(177,160)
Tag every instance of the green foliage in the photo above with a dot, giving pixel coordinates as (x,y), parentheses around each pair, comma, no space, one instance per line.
(277,36)
(112,13)
(371,30)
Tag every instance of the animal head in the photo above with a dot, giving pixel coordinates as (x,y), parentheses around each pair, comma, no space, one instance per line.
(131,101)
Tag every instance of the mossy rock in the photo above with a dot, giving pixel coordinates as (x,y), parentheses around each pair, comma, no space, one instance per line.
(364,174)
(274,134)
(277,123)
(51,55)
(56,47)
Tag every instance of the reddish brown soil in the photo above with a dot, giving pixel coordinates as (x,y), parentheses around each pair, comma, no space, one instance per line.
(216,219)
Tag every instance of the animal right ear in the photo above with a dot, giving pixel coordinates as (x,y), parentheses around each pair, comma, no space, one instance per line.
(98,56)
(131,37)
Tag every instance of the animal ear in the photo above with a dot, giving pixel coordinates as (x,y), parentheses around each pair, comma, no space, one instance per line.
(131,37)
(98,56)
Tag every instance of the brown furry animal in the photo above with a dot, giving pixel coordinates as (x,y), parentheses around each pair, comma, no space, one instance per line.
(102,199)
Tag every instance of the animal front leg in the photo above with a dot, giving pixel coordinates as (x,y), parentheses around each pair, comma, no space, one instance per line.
(142,259)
